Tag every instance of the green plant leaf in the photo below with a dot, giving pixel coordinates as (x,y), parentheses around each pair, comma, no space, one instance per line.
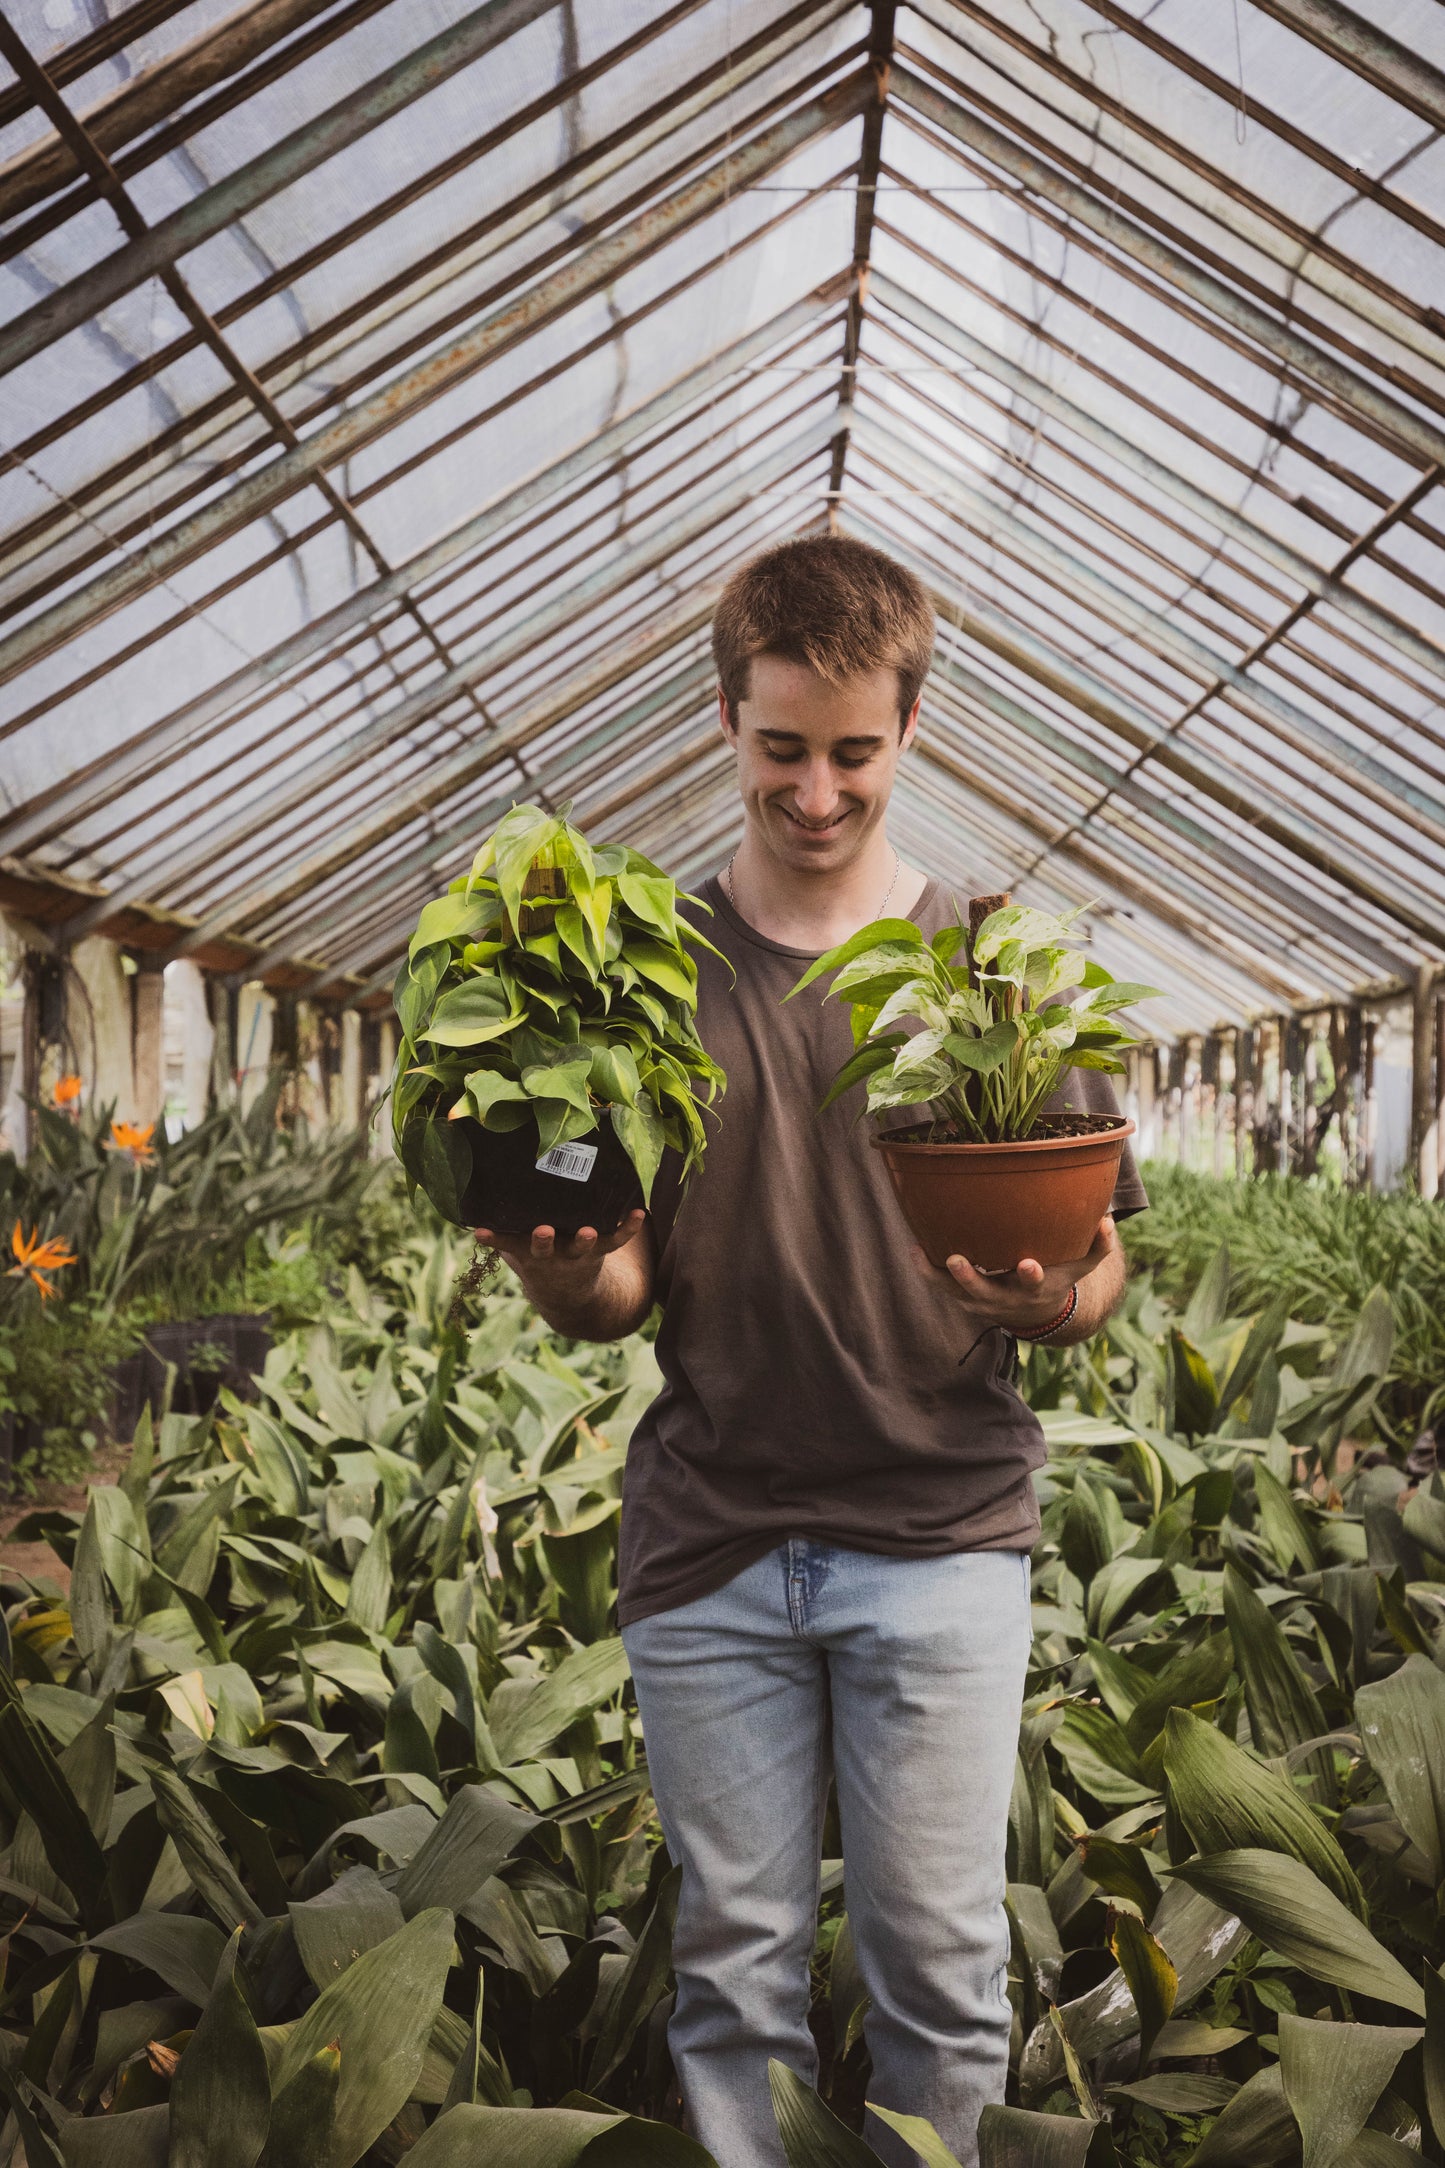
(469,1843)
(381,2011)
(220,2097)
(1153,1982)
(180,1949)
(812,2135)
(1294,1914)
(1228,1801)
(1402,1722)
(139,2139)
(889,934)
(480,2137)
(1332,2077)
(40,1787)
(1284,1710)
(920,2134)
(202,1853)
(1020,2138)
(640,1985)
(580,1684)
(1256,2129)
(303,2114)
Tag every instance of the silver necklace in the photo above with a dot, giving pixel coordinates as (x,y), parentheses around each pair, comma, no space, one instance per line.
(887,893)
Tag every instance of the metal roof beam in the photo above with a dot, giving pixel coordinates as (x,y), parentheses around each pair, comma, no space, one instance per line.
(1295,725)
(1414,433)
(159,90)
(264,176)
(589,273)
(1241,795)
(1321,581)
(880,55)
(1400,72)
(141,756)
(609,579)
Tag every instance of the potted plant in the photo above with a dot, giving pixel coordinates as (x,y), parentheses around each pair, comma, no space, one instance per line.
(992,1173)
(549,1051)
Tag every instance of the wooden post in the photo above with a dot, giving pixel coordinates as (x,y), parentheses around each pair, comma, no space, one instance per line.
(1283,1088)
(1148,1082)
(1424,1128)
(1243,1103)
(1439,1096)
(351,1080)
(1370,1122)
(148,995)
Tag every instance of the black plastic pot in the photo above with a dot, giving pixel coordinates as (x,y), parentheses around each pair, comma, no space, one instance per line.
(140,1380)
(506,1191)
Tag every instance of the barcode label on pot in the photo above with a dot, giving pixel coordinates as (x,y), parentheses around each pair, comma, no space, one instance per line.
(575,1161)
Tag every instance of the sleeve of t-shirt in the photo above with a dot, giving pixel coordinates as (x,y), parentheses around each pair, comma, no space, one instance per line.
(1095,1087)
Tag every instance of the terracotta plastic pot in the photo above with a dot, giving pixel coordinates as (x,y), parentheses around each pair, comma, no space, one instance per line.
(510,1194)
(997,1203)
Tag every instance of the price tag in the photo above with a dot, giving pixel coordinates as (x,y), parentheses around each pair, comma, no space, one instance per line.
(574,1161)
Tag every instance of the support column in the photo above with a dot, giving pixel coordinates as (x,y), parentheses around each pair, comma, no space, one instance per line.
(350,1094)
(1424,1125)
(148,999)
(1439,1096)
(186,990)
(1243,1103)
(1370,1122)
(1148,1080)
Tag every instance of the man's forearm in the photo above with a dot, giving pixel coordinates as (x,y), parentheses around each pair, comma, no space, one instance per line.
(616,1304)
(1099,1297)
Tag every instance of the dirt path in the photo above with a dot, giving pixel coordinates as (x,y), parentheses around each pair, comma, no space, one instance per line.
(36,1561)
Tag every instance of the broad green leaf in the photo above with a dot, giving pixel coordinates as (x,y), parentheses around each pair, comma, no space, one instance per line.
(1332,2077)
(1020,2138)
(202,1853)
(221,2096)
(137,2140)
(333,1929)
(1228,1801)
(465,1847)
(1153,1982)
(640,1985)
(883,933)
(478,2137)
(640,1132)
(369,1597)
(455,918)
(1098,1755)
(920,2134)
(1284,1710)
(179,1948)
(580,1684)
(1123,1870)
(1294,1914)
(1434,2056)
(472,1013)
(1208,1305)
(303,2114)
(1402,1722)
(675,973)
(1256,2129)
(1178,2092)
(812,2135)
(381,2011)
(40,1787)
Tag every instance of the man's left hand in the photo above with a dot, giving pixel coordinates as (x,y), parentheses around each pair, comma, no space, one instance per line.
(1032,1294)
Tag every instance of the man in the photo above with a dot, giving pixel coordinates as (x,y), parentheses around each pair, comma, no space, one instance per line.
(828,1510)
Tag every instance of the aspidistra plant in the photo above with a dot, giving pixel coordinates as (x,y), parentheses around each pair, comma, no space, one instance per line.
(551,986)
(991,1036)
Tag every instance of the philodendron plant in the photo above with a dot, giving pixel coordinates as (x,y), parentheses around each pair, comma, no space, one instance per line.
(550,986)
(992,1036)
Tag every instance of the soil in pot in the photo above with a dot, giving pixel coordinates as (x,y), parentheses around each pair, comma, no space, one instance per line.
(997,1203)
(588,1183)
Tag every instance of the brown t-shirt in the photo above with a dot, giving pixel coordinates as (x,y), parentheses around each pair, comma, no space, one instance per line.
(814,1383)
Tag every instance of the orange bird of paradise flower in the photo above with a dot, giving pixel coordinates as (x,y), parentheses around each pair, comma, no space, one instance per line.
(66,1092)
(34,1258)
(133,1140)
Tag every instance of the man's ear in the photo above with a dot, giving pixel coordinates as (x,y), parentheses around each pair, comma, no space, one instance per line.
(910,725)
(725,721)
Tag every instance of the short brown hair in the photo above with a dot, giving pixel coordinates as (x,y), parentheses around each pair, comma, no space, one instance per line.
(832,603)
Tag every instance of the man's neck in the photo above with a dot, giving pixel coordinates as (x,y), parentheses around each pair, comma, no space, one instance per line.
(815,911)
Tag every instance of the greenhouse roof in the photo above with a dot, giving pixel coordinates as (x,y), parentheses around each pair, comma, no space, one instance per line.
(388,388)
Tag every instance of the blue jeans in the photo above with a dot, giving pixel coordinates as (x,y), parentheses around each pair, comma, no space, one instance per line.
(902,1677)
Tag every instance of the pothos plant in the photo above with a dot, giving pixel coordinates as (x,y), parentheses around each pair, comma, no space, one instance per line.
(991,1036)
(551,986)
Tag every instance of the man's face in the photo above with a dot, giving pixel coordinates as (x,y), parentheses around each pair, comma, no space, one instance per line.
(816,761)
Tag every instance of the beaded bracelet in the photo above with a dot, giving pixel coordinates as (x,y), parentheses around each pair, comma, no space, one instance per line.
(1042,1332)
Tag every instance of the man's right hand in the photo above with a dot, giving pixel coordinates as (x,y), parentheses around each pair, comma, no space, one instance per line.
(569,1279)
